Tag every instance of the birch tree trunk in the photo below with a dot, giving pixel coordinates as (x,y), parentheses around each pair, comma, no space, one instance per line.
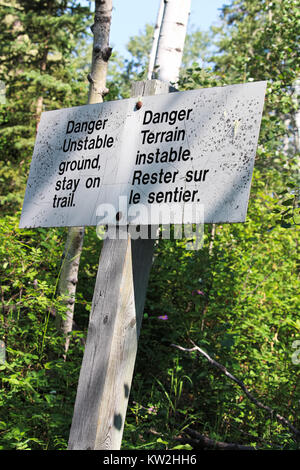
(171,39)
(151,67)
(74,243)
(101,51)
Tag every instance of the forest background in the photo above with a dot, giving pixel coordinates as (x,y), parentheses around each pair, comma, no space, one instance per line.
(237,298)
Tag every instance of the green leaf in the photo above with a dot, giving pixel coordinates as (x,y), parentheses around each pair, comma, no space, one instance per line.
(182,447)
(288,202)
(285,224)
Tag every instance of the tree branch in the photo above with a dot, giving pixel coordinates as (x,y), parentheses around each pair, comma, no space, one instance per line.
(205,442)
(258,403)
(199,440)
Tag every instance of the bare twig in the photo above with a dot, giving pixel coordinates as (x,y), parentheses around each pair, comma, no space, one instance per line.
(258,403)
(207,443)
(199,440)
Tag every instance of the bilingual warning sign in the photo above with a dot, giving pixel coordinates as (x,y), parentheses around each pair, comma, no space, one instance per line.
(158,162)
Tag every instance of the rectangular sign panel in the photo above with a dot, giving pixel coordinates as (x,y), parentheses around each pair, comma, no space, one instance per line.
(181,157)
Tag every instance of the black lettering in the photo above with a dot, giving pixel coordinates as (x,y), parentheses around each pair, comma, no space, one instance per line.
(95,162)
(91,126)
(89,183)
(188,113)
(96,182)
(66,147)
(151,198)
(87,163)
(159,197)
(194,194)
(136,176)
(61,168)
(186,153)
(64,201)
(73,145)
(172,117)
(205,171)
(91,144)
(186,195)
(146,178)
(189,176)
(168,195)
(154,178)
(77,127)
(150,158)
(147,120)
(70,123)
(110,141)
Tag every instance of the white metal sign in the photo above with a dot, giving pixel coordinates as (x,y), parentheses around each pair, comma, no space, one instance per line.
(177,153)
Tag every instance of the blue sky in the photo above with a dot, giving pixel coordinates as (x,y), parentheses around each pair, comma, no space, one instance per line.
(130,16)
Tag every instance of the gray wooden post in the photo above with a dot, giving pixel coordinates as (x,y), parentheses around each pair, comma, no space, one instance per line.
(112,340)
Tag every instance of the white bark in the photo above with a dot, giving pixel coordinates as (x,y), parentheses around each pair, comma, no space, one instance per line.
(69,278)
(101,51)
(151,70)
(171,39)
(74,243)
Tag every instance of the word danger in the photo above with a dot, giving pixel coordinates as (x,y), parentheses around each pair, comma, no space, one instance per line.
(169,117)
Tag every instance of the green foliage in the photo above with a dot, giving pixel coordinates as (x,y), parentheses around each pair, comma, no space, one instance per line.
(122,72)
(240,304)
(197,48)
(236,297)
(258,41)
(39,68)
(37,386)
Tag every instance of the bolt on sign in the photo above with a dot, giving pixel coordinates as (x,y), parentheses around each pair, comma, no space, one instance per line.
(160,160)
